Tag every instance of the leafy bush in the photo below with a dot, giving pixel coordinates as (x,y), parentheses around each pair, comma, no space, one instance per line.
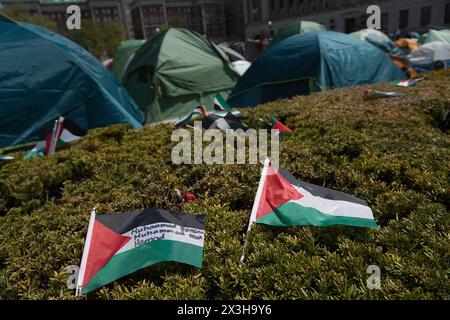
(392,152)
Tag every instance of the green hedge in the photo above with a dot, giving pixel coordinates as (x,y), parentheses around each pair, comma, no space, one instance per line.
(392,152)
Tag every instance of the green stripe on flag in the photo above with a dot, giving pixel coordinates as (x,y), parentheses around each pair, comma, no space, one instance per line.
(293,214)
(143,256)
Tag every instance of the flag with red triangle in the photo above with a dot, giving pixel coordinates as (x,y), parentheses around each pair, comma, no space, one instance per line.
(196,115)
(62,133)
(284,201)
(277,125)
(119,244)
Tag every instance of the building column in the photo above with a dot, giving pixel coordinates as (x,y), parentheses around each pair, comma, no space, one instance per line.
(166,19)
(144,33)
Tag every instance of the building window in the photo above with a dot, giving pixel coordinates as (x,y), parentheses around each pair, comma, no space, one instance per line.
(403,19)
(350,25)
(447,13)
(425,16)
(385,22)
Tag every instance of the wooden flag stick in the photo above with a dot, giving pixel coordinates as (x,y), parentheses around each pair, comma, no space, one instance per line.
(255,206)
(84,258)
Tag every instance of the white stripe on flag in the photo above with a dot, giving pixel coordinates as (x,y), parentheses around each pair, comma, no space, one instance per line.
(333,207)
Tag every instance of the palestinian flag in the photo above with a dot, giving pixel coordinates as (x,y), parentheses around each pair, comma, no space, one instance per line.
(284,201)
(277,125)
(404,83)
(374,94)
(220,103)
(61,134)
(2,157)
(196,115)
(119,244)
(224,121)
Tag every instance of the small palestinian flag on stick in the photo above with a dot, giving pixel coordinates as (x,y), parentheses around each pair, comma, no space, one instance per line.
(374,94)
(406,83)
(224,121)
(59,136)
(196,115)
(277,125)
(285,201)
(220,103)
(119,244)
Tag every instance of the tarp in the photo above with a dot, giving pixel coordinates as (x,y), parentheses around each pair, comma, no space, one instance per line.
(308,62)
(123,56)
(295,29)
(435,35)
(44,75)
(378,39)
(424,57)
(176,71)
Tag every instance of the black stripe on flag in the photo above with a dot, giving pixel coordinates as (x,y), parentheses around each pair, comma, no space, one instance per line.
(124,222)
(317,191)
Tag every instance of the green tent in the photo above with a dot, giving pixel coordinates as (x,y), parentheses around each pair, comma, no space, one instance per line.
(176,71)
(123,56)
(378,39)
(435,35)
(294,29)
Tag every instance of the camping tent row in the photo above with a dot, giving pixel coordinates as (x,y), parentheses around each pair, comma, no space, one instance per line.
(44,76)
(177,70)
(310,62)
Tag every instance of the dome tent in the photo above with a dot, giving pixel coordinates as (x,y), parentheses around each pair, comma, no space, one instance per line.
(424,58)
(310,62)
(435,35)
(44,75)
(295,28)
(176,71)
(124,54)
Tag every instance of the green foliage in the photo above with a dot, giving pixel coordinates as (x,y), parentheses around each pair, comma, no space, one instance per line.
(101,40)
(388,151)
(19,12)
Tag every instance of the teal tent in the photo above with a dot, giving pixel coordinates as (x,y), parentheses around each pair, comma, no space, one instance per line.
(310,62)
(296,28)
(124,54)
(44,75)
(176,71)
(435,35)
(378,39)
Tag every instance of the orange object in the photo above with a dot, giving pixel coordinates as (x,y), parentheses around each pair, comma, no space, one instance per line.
(407,44)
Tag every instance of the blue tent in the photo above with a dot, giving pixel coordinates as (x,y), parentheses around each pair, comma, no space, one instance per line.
(310,62)
(44,76)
